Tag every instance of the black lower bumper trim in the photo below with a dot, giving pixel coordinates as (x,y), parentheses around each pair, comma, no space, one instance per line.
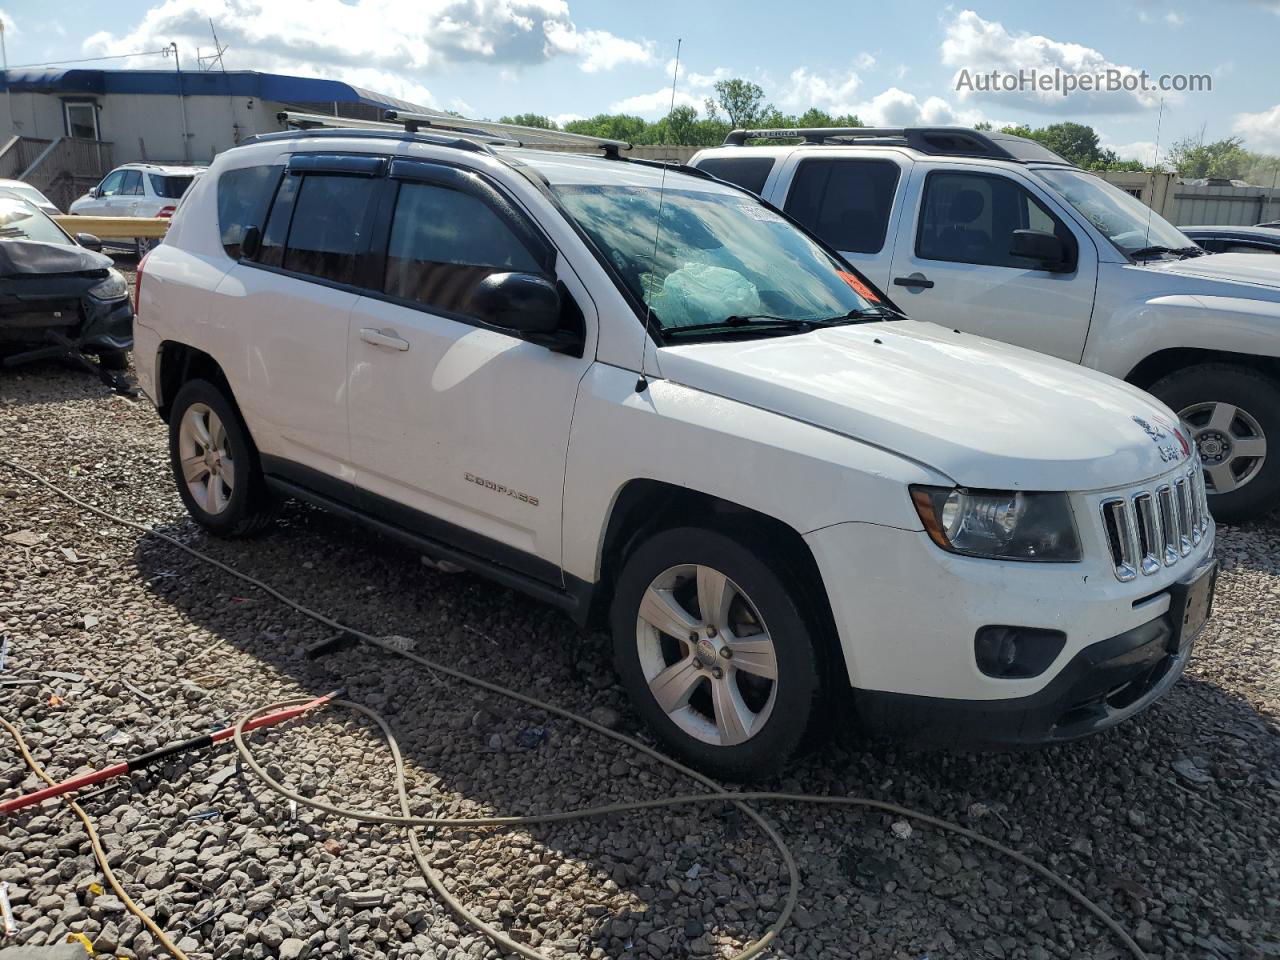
(1104,684)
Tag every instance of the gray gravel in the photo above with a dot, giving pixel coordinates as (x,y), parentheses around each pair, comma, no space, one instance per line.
(120,643)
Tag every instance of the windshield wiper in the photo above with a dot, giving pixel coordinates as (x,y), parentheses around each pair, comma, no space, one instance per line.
(1143,253)
(762,321)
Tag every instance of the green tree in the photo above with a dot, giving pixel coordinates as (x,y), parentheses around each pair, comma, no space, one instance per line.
(1192,158)
(615,126)
(530,120)
(813,117)
(1075,142)
(742,100)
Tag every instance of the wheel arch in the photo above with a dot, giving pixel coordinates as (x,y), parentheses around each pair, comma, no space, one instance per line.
(176,364)
(644,507)
(1164,362)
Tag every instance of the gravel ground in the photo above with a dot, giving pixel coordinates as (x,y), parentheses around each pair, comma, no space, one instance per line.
(119,643)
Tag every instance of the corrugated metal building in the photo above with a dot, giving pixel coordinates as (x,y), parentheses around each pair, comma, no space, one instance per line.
(61,130)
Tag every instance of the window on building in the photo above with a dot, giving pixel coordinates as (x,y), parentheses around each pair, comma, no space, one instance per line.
(443,243)
(243,196)
(845,202)
(82,120)
(750,173)
(970,218)
(328,230)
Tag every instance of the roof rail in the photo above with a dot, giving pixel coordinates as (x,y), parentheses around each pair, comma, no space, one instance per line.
(942,141)
(512,132)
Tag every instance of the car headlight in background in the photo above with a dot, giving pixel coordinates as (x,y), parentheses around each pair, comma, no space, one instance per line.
(112,288)
(999,524)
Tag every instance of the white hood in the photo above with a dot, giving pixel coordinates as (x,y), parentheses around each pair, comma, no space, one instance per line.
(983,413)
(1255,268)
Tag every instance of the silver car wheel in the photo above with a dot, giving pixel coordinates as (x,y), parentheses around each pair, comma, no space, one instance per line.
(707,655)
(207,466)
(1230,442)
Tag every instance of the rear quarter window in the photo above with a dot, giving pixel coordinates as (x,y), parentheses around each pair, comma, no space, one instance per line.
(243,197)
(845,202)
(750,173)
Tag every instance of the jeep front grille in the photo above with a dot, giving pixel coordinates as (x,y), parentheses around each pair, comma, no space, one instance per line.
(1155,527)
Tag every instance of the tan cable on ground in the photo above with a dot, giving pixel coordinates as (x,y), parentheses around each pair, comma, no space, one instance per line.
(717,795)
(98,850)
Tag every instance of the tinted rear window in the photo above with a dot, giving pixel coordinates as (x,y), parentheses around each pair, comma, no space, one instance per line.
(845,202)
(747,172)
(243,196)
(327,232)
(171,188)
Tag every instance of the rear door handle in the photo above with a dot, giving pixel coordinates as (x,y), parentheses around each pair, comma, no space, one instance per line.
(380,339)
(917,280)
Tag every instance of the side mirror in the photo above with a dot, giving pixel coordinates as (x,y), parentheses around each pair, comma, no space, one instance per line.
(523,303)
(89,242)
(1046,249)
(250,242)
(93,192)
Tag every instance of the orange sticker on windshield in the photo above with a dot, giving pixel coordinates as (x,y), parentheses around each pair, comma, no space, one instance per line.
(860,288)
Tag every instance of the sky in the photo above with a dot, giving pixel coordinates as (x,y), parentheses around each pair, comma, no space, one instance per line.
(892,64)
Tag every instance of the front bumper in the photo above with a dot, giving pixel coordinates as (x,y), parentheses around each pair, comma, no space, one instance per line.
(1104,684)
(93,325)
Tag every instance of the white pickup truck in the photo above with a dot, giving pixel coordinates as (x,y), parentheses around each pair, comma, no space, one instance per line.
(993,234)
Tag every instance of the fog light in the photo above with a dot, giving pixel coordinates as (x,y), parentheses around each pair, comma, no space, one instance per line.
(1016,652)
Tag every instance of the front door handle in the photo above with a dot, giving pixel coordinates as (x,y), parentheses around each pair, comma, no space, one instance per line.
(917,281)
(380,339)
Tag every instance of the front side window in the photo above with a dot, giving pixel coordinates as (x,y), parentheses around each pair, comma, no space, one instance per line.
(1120,217)
(845,202)
(243,195)
(110,186)
(131,186)
(970,218)
(19,220)
(443,243)
(720,256)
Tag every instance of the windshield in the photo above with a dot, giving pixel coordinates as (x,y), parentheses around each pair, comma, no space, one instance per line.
(30,194)
(171,188)
(21,221)
(1124,219)
(719,256)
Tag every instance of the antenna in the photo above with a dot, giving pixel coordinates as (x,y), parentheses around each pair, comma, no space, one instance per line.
(642,384)
(1155,160)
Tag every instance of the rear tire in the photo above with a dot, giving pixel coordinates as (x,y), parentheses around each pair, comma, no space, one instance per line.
(737,715)
(215,463)
(1234,415)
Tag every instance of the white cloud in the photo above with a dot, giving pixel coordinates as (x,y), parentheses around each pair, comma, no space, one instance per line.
(833,93)
(656,104)
(1141,150)
(898,108)
(388,45)
(981,46)
(1173,18)
(560,119)
(864,61)
(1261,131)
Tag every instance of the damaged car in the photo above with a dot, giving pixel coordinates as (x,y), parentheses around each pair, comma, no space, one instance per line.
(59,295)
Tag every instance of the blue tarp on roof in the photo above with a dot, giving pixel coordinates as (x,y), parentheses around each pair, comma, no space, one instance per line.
(277,87)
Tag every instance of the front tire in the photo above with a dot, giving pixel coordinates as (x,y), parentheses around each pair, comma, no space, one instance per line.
(1234,415)
(714,651)
(215,463)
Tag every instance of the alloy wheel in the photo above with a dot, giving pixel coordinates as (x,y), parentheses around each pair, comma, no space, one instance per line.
(205,455)
(1230,441)
(707,655)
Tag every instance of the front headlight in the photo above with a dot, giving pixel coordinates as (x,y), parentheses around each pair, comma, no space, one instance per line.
(112,288)
(999,524)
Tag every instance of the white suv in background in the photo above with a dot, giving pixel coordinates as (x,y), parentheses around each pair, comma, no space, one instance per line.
(734,455)
(138,190)
(995,235)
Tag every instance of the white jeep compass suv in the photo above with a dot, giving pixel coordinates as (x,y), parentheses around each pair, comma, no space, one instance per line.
(708,434)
